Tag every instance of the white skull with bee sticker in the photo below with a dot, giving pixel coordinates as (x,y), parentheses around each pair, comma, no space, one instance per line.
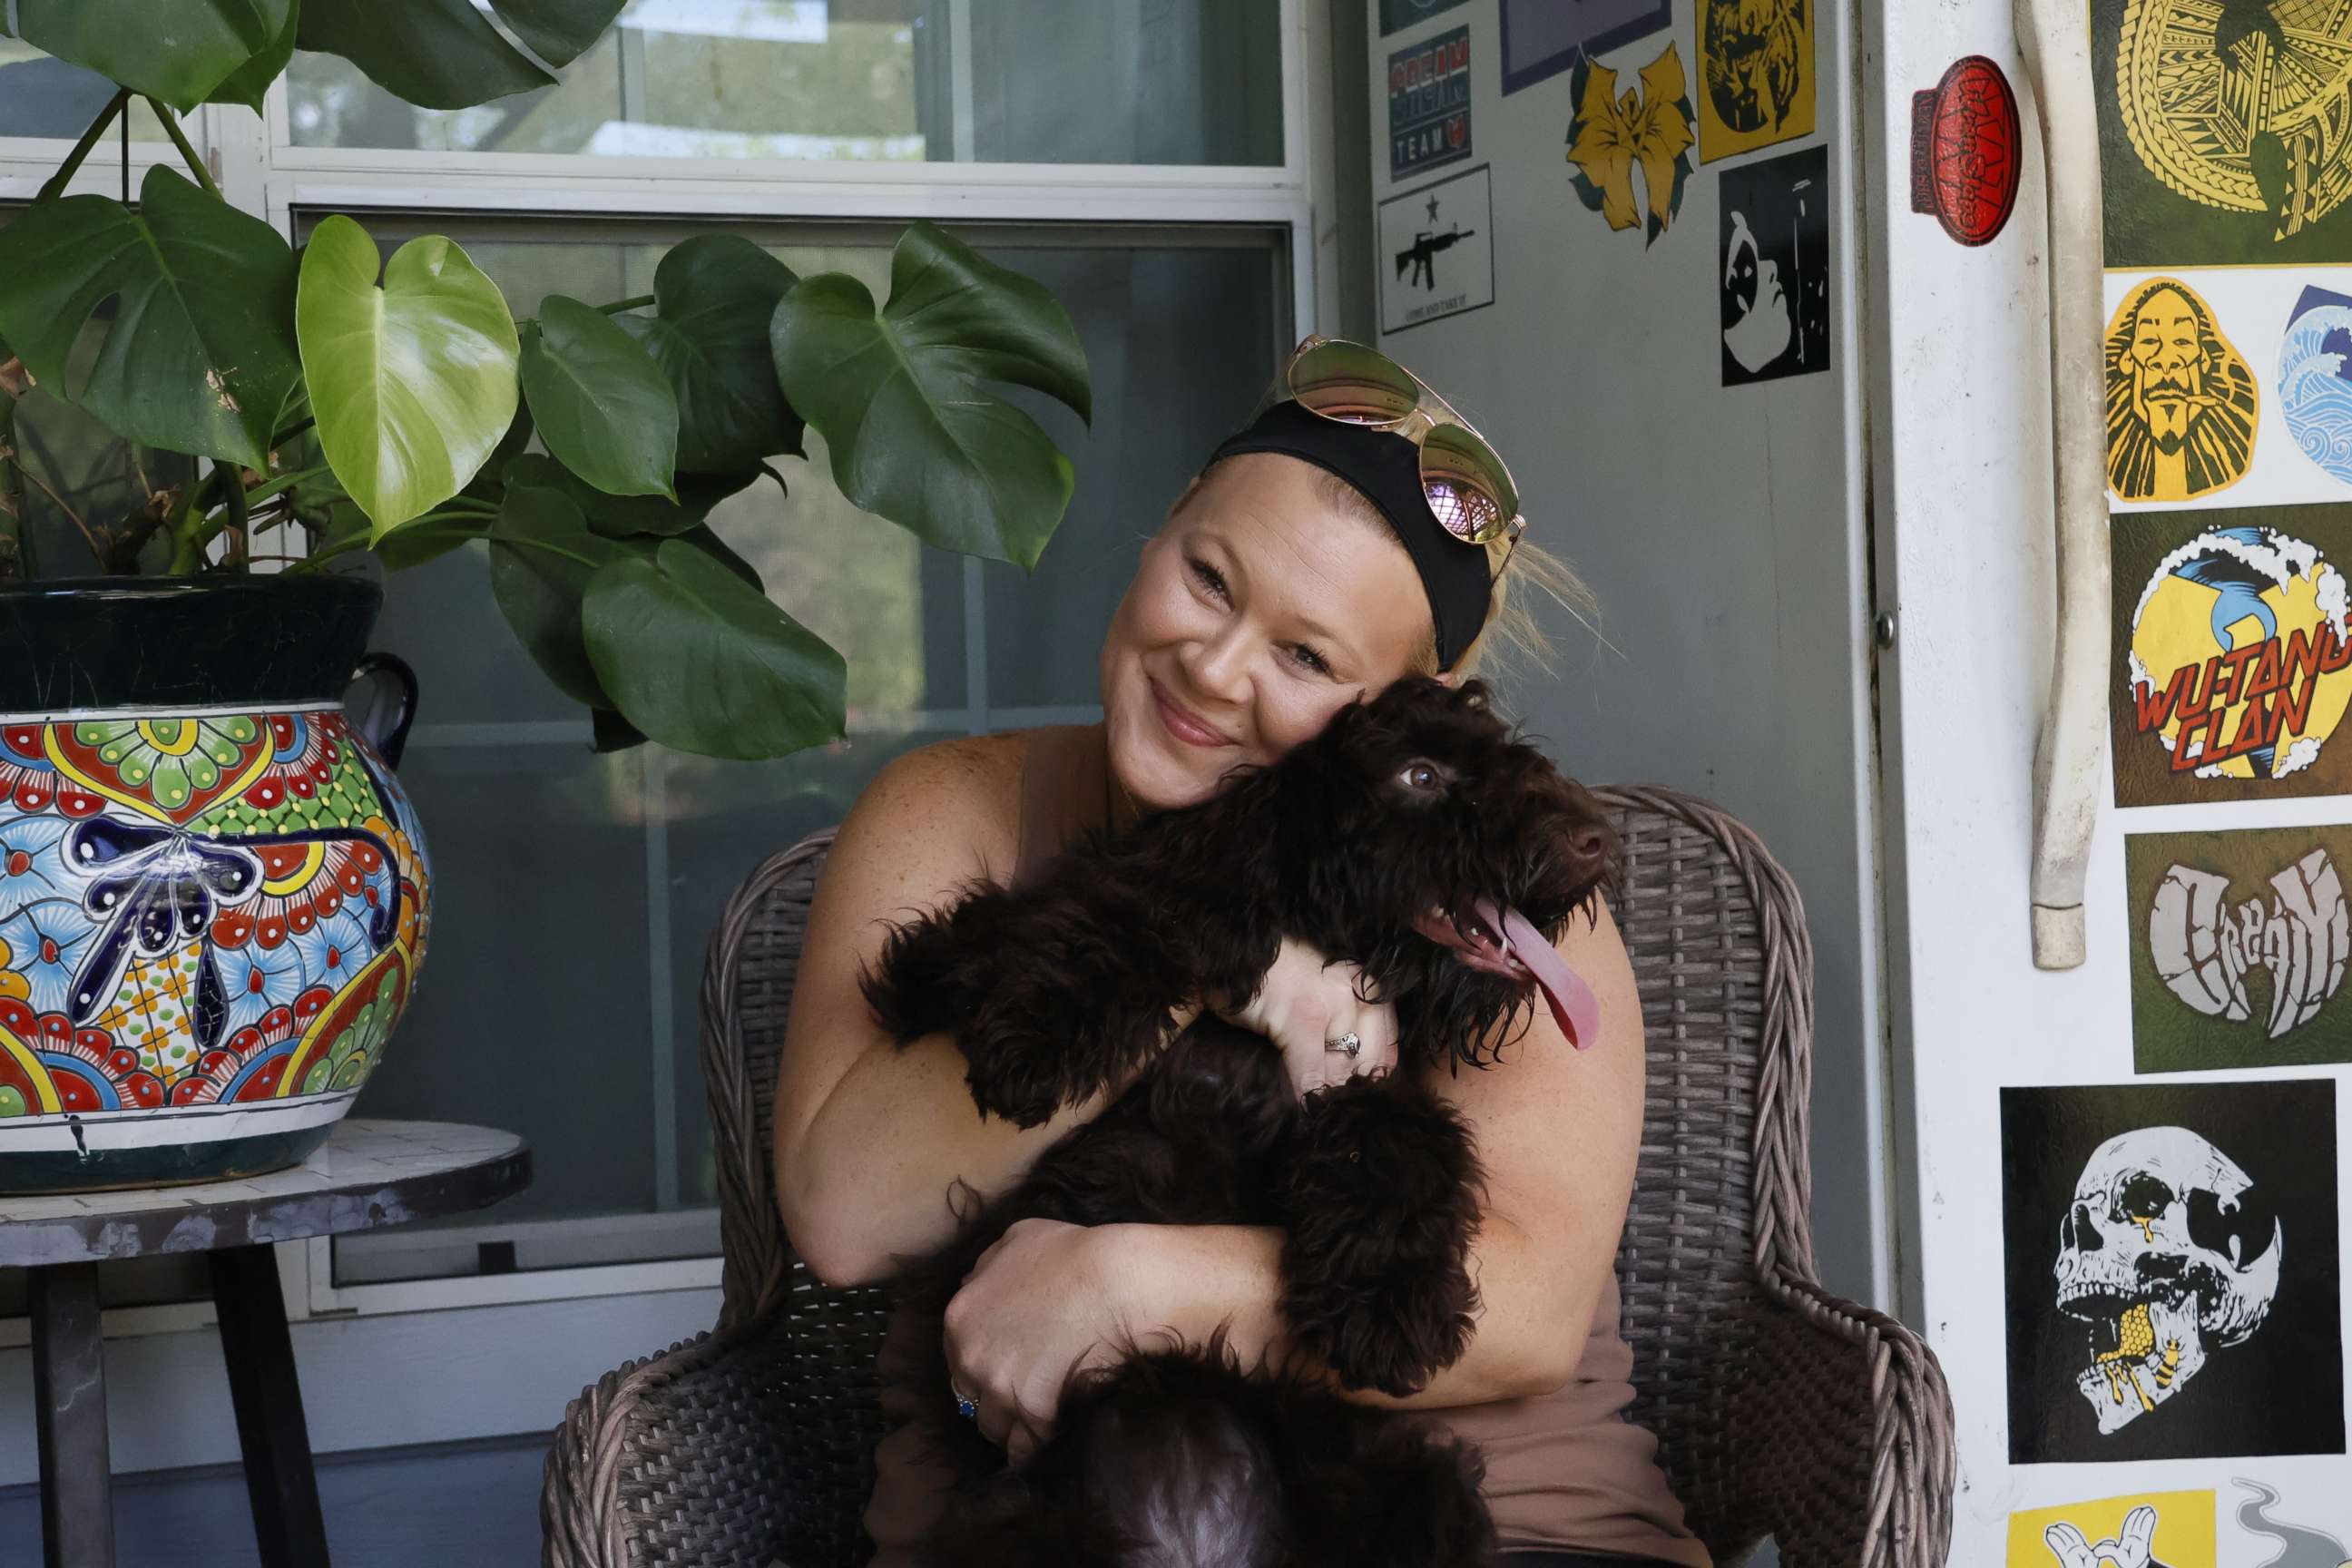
(2168,1251)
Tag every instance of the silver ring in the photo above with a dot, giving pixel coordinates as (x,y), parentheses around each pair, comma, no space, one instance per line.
(966,1406)
(1349,1045)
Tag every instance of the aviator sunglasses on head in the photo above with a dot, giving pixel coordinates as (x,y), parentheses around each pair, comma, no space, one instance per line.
(1469,489)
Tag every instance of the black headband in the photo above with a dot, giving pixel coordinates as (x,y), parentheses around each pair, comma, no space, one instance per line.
(1387,469)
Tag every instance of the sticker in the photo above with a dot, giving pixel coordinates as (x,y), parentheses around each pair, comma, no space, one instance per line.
(1774,271)
(2239,943)
(1429,104)
(2221,131)
(1966,151)
(1756,70)
(1440,246)
(1396,15)
(2181,404)
(1645,131)
(2152,1530)
(2171,1274)
(2315,380)
(2298,1545)
(1541,38)
(2233,654)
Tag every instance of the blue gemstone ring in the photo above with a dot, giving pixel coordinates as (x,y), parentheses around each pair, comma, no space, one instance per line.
(967,1408)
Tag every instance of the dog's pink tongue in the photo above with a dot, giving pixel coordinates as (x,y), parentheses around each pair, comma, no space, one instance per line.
(1573,1006)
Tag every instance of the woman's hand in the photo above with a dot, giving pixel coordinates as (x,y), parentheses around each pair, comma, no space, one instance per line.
(1305,1003)
(1046,1300)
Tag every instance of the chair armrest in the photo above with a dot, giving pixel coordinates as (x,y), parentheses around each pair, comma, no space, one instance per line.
(716,1452)
(1844,1437)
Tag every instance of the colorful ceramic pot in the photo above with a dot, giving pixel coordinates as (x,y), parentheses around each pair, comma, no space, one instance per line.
(213,893)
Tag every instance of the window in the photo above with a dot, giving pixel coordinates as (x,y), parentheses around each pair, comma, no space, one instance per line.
(574,893)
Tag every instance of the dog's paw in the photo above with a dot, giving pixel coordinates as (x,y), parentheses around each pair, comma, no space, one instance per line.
(926,979)
(1379,1202)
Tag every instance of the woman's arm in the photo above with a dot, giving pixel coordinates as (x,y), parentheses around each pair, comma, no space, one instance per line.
(870,1137)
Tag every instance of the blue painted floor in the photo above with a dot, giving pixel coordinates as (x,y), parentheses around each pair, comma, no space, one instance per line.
(458,1505)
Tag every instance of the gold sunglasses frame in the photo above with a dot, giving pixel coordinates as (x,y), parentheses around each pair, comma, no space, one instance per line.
(1415,425)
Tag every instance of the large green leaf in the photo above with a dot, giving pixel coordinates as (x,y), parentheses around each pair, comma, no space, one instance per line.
(713,296)
(602,407)
(699,659)
(177,50)
(414,382)
(443,54)
(541,558)
(198,353)
(618,517)
(249,83)
(897,395)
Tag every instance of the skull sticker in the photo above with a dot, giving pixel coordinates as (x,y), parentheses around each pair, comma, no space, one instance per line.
(2168,1252)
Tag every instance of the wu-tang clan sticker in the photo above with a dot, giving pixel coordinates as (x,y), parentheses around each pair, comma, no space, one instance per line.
(2182,404)
(2233,654)
(2147,1529)
(2239,945)
(1631,150)
(1755,75)
(2171,1271)
(1773,253)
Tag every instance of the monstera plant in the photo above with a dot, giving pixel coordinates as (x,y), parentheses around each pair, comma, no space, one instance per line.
(338,402)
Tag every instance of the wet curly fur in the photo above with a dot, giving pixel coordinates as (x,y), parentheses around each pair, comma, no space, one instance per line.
(1421,799)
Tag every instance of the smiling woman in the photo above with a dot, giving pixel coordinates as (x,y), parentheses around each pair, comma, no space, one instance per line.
(1304,568)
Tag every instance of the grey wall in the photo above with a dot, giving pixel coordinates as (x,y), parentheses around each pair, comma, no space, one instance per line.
(1722,529)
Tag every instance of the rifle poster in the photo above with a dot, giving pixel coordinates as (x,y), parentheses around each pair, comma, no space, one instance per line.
(1429,104)
(1437,251)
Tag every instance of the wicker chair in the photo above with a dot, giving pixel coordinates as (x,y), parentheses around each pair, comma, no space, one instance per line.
(1779,1409)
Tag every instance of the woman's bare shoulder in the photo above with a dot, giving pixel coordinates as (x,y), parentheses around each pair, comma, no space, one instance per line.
(960,796)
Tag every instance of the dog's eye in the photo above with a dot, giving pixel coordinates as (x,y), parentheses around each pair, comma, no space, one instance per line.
(1419,775)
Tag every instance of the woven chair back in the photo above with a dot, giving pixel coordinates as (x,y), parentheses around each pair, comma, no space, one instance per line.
(1720,1204)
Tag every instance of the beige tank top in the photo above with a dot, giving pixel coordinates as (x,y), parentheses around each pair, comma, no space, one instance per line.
(1563,1469)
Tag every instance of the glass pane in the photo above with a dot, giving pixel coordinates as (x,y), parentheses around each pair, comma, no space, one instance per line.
(1045,81)
(44,97)
(580,891)
(1180,344)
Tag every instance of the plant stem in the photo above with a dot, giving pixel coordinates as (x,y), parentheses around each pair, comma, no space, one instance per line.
(283,483)
(639,302)
(66,171)
(15,559)
(293,430)
(195,164)
(189,530)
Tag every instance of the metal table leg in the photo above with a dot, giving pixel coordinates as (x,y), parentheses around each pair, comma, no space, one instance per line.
(70,1416)
(269,1425)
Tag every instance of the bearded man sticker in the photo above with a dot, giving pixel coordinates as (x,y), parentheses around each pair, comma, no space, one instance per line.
(2181,404)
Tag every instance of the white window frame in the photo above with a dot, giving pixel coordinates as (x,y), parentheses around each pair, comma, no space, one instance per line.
(260,171)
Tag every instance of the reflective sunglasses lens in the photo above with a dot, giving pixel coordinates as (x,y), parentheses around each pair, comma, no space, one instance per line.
(1466,486)
(1349,381)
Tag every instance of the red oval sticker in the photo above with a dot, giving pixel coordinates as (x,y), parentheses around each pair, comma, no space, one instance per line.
(1964,153)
